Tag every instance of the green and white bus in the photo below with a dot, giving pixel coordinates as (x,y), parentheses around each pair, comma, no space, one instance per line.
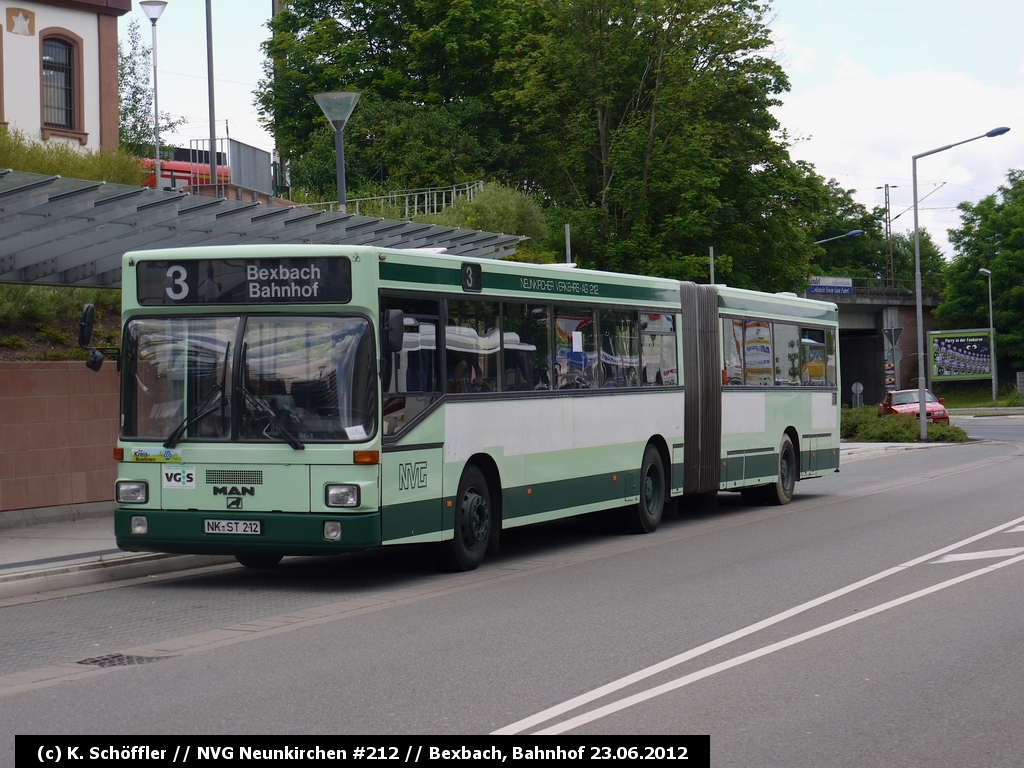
(313,400)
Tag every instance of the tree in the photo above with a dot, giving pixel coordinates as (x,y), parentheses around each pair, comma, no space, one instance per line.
(421,65)
(652,121)
(644,124)
(991,235)
(135,97)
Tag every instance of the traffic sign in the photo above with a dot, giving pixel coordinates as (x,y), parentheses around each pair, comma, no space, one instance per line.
(892,335)
(894,355)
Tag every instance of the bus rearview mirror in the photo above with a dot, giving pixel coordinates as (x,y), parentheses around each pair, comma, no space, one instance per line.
(85,325)
(394,330)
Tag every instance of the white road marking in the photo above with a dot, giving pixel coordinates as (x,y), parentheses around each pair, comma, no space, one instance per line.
(1018,529)
(630,701)
(624,682)
(986,555)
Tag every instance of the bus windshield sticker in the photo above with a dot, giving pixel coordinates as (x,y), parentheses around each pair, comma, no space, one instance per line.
(157,455)
(245,281)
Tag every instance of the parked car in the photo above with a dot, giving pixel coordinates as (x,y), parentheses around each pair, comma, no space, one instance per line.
(908,401)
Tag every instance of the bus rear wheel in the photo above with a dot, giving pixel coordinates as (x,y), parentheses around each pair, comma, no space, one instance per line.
(259,560)
(472,531)
(646,515)
(782,491)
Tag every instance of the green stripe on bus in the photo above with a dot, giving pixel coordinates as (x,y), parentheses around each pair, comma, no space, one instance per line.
(562,494)
(414,518)
(526,286)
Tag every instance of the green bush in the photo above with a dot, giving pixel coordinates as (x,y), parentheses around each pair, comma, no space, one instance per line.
(863,425)
(852,419)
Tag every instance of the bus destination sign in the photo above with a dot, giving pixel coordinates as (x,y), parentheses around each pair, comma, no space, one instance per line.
(245,281)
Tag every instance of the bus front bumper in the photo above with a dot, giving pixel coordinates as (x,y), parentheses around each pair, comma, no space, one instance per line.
(290,533)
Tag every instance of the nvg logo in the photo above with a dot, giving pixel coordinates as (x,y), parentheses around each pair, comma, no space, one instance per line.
(179,477)
(412,475)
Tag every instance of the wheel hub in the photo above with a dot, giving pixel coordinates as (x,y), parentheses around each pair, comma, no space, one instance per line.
(475,520)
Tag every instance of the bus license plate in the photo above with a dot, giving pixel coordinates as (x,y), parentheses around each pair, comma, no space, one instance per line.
(245,527)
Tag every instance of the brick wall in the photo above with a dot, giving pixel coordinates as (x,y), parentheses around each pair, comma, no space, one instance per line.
(58,429)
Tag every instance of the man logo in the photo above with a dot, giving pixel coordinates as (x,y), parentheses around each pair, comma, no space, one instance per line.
(412,475)
(223,490)
(234,502)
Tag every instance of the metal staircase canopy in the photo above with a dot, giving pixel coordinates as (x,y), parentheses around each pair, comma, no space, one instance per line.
(57,231)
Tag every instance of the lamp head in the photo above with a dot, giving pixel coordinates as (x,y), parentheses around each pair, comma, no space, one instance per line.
(153,8)
(338,106)
(985,272)
(996,132)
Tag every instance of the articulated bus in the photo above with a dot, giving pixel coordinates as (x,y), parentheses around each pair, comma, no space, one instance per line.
(313,400)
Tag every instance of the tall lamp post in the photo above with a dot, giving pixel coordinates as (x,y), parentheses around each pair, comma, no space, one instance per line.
(337,107)
(921,377)
(991,338)
(153,9)
(851,233)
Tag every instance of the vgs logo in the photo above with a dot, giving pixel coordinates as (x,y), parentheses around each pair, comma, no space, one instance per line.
(412,475)
(179,477)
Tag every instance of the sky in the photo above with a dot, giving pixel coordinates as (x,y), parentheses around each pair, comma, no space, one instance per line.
(873,83)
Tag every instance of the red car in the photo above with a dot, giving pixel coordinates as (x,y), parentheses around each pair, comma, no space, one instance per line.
(908,401)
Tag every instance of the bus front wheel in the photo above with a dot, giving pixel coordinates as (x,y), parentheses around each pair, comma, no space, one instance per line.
(782,491)
(646,515)
(472,531)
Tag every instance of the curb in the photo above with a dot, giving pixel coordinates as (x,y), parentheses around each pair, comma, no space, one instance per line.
(65,513)
(22,583)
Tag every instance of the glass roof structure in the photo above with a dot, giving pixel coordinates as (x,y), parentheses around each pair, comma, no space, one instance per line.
(57,231)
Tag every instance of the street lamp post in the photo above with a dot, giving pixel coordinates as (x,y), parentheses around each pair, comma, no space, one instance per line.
(153,9)
(991,338)
(337,108)
(851,233)
(921,377)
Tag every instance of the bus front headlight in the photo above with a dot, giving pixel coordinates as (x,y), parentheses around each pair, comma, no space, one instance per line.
(341,496)
(131,492)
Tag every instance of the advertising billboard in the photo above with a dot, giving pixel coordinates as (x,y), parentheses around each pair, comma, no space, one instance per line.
(959,355)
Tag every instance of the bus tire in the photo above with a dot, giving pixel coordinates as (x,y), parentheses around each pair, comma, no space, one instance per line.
(646,515)
(258,560)
(473,521)
(782,491)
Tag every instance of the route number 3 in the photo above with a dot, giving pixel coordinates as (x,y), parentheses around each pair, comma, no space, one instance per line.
(472,278)
(175,285)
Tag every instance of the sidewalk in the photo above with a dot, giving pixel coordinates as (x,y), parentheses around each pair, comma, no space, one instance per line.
(41,558)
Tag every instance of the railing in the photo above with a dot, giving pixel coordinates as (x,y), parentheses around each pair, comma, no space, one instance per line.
(892,287)
(408,202)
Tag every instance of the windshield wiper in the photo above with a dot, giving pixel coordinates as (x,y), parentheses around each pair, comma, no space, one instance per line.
(259,404)
(197,413)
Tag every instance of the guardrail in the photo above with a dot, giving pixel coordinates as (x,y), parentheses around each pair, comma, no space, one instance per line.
(408,202)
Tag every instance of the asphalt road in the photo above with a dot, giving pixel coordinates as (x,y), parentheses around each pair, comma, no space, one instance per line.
(876,620)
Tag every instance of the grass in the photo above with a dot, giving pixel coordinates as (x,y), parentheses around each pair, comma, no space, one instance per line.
(56,158)
(41,322)
(864,425)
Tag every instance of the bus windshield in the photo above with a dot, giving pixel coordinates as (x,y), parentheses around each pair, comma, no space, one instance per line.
(304,377)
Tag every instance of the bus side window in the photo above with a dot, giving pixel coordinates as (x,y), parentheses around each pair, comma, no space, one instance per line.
(413,383)
(473,344)
(830,358)
(526,343)
(732,344)
(620,354)
(575,348)
(787,354)
(658,350)
(812,358)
